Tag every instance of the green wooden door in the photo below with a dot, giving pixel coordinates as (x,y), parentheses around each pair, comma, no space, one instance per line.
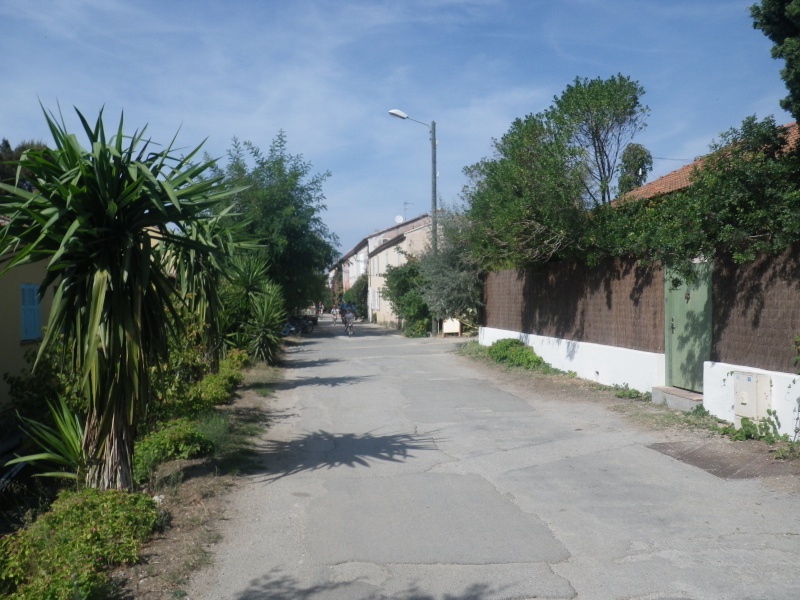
(687,319)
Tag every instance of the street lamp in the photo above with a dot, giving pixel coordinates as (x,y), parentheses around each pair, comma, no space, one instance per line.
(432,127)
(434,232)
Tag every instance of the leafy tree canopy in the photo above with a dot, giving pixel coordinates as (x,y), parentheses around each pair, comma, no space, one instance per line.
(9,158)
(744,200)
(635,164)
(600,116)
(94,216)
(281,206)
(402,290)
(357,294)
(524,204)
(779,20)
(451,282)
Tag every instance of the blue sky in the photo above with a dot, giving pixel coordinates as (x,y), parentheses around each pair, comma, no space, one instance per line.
(327,71)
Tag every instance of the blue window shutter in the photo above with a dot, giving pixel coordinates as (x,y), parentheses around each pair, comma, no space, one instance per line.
(29,303)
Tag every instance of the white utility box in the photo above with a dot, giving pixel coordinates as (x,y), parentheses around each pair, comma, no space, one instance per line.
(751,396)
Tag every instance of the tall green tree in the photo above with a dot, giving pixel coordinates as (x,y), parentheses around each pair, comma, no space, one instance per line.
(402,289)
(94,217)
(600,116)
(524,204)
(451,282)
(744,200)
(9,161)
(358,295)
(635,164)
(281,204)
(779,20)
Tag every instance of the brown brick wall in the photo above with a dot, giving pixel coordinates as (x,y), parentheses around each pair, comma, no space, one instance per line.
(756,311)
(615,304)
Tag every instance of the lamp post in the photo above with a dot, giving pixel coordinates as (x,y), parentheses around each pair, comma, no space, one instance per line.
(434,231)
(432,128)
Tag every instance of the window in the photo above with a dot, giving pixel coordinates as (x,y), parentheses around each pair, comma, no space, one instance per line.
(29,303)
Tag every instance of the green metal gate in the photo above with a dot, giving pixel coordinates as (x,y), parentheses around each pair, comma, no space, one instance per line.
(687,319)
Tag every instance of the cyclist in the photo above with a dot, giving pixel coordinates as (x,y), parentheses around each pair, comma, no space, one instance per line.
(347,318)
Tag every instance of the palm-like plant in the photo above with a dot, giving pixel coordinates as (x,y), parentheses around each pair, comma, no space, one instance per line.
(95,216)
(254,308)
(265,323)
(198,274)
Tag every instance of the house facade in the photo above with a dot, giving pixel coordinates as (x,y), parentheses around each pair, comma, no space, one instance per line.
(355,262)
(25,317)
(394,252)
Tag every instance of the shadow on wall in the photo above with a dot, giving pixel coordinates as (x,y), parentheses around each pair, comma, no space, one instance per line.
(693,345)
(606,304)
(756,311)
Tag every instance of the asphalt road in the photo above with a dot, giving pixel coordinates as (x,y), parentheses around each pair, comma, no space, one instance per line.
(394,469)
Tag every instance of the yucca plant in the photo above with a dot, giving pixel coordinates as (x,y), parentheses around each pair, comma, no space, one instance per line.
(265,323)
(61,444)
(94,216)
(246,275)
(198,275)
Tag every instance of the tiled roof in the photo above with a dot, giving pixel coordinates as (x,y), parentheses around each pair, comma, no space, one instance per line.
(666,184)
(681,178)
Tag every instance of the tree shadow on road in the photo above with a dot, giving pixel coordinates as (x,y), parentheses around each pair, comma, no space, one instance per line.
(275,585)
(296,363)
(324,450)
(319,381)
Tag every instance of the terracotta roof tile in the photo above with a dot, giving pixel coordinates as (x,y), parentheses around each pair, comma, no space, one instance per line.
(681,178)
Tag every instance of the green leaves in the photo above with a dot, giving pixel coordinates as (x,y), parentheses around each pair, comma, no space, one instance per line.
(403,290)
(600,117)
(778,20)
(94,216)
(60,445)
(524,204)
(279,203)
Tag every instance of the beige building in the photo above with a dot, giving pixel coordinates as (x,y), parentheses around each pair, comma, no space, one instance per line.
(25,317)
(393,251)
(354,263)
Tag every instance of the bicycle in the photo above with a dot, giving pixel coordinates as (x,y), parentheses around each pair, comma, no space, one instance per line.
(348,319)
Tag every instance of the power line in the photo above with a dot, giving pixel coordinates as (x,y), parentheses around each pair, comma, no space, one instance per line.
(676,159)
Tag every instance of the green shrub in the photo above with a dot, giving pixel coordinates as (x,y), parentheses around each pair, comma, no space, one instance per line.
(68,551)
(765,429)
(235,360)
(415,328)
(190,399)
(624,391)
(514,353)
(54,376)
(180,439)
(212,390)
(187,364)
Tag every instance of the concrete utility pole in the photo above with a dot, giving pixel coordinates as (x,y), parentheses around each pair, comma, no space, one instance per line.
(434,229)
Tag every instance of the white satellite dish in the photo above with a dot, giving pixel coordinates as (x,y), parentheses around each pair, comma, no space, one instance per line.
(398,219)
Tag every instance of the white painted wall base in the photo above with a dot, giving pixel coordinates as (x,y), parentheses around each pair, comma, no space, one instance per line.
(607,365)
(719,398)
